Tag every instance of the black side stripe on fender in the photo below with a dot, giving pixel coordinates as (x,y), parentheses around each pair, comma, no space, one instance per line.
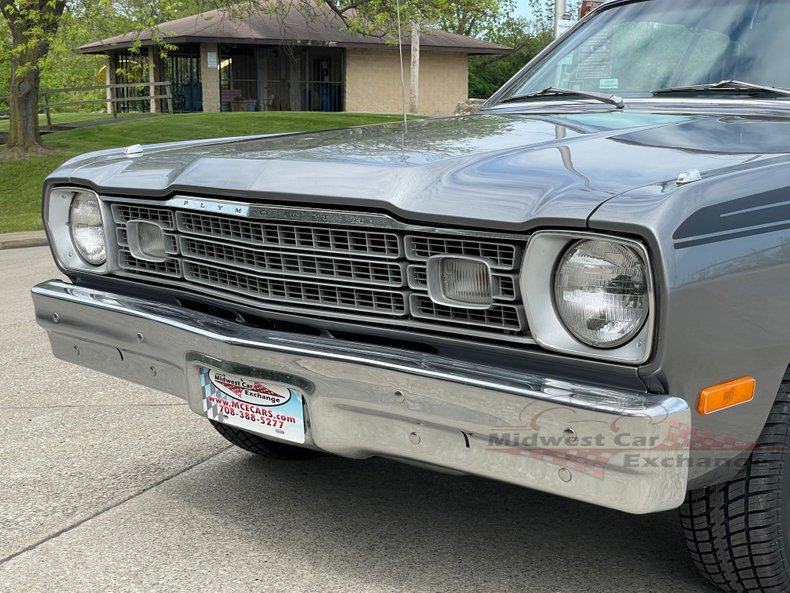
(754,215)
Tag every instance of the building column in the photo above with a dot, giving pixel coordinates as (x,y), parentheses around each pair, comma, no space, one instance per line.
(209,77)
(154,76)
(109,78)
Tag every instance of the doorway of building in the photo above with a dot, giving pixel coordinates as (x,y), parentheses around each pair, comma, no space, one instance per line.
(301,79)
(182,69)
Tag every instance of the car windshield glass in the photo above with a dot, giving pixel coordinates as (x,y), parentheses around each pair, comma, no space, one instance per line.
(633,49)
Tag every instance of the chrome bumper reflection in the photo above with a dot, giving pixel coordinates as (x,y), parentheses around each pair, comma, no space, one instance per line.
(619,449)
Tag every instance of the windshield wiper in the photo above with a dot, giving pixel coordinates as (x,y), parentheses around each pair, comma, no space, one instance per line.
(725,85)
(554,91)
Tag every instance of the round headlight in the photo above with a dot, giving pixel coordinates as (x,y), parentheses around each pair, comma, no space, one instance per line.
(601,293)
(87,229)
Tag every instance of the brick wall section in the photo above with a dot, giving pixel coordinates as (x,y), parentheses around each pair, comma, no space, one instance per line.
(209,78)
(373,81)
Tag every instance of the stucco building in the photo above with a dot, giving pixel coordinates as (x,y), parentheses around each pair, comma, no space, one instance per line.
(272,61)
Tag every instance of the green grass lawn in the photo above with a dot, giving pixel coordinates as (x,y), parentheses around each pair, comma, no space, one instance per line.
(65,119)
(21,180)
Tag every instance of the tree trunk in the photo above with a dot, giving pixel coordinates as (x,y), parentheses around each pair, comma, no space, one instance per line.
(24,134)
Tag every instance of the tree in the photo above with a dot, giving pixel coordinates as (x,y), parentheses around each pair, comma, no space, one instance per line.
(33,24)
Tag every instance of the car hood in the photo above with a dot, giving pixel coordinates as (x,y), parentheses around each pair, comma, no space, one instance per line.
(513,171)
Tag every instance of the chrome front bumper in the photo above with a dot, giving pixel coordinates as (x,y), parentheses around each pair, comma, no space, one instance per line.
(619,449)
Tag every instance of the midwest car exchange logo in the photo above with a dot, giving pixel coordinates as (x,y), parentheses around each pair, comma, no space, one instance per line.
(559,435)
(248,390)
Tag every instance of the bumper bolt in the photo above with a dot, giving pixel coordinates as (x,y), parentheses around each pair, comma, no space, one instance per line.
(399,396)
(570,436)
(77,350)
(140,338)
(414,438)
(565,474)
(152,370)
(55,318)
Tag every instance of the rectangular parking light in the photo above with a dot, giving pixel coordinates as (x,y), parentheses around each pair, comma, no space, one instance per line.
(460,281)
(146,240)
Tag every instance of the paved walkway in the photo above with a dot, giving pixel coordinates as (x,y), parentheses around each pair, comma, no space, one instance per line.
(23,239)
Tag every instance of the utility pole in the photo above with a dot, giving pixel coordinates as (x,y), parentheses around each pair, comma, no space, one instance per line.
(414,79)
(559,12)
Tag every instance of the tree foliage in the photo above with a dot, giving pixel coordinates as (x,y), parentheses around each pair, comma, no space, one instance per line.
(527,37)
(471,17)
(488,73)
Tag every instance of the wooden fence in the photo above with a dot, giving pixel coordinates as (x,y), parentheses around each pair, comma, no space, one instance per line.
(156,91)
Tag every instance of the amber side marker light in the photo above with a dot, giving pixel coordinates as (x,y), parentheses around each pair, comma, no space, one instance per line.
(718,397)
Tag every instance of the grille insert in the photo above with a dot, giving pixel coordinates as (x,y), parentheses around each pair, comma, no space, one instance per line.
(364,273)
(169,267)
(335,240)
(504,317)
(295,291)
(500,255)
(381,273)
(123,213)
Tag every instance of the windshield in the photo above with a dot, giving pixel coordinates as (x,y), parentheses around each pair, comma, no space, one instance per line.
(636,48)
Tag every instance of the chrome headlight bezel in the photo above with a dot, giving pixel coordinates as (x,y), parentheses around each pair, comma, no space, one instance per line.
(57,219)
(543,255)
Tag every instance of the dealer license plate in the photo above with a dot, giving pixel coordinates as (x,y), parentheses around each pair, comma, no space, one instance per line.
(256,405)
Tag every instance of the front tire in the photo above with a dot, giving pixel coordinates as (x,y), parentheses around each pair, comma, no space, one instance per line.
(738,533)
(261,446)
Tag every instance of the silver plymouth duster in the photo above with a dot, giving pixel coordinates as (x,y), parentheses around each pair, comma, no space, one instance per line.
(582,289)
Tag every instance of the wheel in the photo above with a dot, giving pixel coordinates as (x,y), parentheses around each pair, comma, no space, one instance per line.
(738,533)
(261,446)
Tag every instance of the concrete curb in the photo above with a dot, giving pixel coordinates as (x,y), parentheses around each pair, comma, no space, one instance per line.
(23,239)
